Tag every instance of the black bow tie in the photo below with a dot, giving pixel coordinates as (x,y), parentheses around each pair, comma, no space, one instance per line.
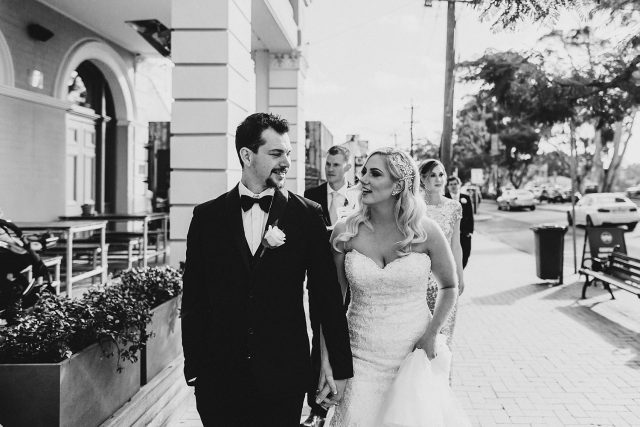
(247,202)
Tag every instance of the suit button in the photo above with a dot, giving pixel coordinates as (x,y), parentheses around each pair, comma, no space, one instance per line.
(250,331)
(248,356)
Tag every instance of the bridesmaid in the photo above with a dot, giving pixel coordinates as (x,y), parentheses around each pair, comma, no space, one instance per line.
(447,213)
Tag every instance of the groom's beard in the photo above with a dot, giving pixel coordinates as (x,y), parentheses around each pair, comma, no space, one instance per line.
(273,183)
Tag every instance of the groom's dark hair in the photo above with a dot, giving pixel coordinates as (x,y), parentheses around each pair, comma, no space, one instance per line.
(249,132)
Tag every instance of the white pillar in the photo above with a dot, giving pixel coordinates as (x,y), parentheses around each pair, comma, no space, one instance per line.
(286,91)
(213,91)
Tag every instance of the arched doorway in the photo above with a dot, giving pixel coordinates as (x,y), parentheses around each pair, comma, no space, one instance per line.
(6,63)
(91,140)
(102,121)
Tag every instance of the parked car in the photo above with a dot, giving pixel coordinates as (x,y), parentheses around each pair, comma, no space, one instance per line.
(605,209)
(513,199)
(633,191)
(590,188)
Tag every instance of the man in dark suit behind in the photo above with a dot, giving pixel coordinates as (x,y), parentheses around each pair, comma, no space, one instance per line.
(335,198)
(244,330)
(466,223)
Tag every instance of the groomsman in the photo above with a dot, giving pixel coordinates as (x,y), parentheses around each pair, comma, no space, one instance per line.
(334,196)
(466,223)
(337,201)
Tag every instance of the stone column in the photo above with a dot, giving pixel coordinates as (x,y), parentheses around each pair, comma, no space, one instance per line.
(286,90)
(213,91)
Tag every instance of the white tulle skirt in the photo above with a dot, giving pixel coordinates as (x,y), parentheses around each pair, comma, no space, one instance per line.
(420,395)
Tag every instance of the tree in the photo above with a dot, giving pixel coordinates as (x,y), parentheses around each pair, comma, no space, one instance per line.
(424,149)
(508,13)
(578,78)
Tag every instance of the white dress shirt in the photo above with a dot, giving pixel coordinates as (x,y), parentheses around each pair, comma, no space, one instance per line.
(337,197)
(455,196)
(255,219)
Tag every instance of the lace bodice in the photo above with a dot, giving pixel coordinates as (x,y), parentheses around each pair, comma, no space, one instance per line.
(445,214)
(387,315)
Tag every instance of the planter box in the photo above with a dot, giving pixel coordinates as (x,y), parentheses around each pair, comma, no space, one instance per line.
(166,344)
(84,390)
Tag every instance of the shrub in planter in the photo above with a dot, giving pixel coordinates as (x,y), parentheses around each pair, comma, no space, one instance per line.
(56,351)
(162,286)
(55,356)
(59,327)
(154,284)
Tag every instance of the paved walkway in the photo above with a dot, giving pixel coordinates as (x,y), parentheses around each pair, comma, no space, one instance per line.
(529,354)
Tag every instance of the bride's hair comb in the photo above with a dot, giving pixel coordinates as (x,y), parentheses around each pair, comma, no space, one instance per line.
(404,164)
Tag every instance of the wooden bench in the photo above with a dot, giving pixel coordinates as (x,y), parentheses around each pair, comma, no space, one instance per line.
(618,269)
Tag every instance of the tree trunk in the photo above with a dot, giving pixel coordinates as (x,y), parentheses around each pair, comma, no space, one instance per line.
(597,170)
(623,133)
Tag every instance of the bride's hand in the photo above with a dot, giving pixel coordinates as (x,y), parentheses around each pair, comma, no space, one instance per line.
(428,343)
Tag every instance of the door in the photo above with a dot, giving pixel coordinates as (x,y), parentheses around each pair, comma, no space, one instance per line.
(81,159)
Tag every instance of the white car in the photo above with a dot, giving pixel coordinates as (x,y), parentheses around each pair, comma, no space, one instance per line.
(512,199)
(606,209)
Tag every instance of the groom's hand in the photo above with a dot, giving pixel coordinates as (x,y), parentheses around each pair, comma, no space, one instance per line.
(328,397)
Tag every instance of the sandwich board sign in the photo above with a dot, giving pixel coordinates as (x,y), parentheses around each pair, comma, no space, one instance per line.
(603,241)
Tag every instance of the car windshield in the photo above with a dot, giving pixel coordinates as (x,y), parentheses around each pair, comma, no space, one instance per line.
(609,199)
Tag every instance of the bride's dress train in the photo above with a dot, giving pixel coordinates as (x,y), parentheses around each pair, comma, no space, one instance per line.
(387,315)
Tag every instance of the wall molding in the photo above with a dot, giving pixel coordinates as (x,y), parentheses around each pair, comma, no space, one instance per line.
(34,97)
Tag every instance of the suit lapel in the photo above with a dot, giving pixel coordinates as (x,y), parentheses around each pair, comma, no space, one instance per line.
(240,241)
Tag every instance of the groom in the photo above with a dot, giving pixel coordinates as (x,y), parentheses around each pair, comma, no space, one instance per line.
(243,323)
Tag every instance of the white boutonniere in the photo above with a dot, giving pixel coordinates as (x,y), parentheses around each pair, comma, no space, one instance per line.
(274,237)
(463,200)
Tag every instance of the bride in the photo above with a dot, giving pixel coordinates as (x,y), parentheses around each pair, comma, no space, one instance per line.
(384,253)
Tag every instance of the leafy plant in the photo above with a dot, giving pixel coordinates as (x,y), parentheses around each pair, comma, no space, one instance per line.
(156,284)
(59,327)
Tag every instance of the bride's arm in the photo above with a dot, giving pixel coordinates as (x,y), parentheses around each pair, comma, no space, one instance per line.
(443,267)
(456,248)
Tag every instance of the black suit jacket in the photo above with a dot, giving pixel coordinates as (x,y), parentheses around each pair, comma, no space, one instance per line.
(466,223)
(319,195)
(242,312)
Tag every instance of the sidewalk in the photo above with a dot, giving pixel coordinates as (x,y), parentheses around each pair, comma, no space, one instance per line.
(528,354)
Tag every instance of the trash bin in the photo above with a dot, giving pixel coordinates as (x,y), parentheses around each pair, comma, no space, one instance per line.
(549,251)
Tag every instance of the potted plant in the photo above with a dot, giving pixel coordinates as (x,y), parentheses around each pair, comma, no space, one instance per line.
(73,361)
(162,287)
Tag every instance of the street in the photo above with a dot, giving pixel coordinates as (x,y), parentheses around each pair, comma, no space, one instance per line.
(514,228)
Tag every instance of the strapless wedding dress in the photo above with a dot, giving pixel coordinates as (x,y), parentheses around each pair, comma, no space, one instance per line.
(387,315)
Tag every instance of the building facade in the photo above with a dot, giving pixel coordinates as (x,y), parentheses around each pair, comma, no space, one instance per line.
(318,141)
(79,87)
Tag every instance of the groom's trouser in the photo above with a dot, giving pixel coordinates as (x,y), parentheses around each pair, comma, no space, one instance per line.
(315,367)
(315,362)
(241,405)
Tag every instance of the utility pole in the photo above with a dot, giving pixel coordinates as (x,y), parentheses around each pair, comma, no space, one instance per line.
(411,131)
(395,139)
(447,122)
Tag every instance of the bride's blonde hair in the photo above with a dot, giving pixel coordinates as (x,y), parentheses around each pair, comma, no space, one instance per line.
(409,207)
